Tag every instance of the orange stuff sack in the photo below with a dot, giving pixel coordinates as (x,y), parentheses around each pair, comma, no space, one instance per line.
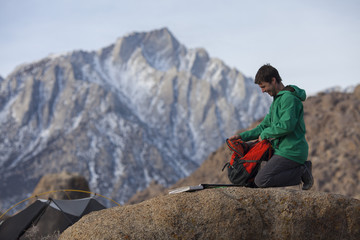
(246,159)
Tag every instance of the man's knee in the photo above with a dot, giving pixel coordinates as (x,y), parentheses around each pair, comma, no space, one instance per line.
(262,182)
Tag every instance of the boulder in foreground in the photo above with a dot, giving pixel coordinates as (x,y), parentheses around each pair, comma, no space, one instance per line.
(227,213)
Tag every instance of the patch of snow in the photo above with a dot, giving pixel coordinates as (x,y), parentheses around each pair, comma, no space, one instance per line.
(93,174)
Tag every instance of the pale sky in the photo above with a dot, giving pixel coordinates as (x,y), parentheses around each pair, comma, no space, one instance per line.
(314,44)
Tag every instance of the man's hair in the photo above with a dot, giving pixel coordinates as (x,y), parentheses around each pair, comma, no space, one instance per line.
(266,73)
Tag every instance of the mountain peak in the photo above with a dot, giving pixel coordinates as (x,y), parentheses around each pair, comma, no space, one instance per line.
(144,108)
(159,48)
(161,32)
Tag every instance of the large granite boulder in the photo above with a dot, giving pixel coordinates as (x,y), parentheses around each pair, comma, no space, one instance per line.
(53,183)
(227,213)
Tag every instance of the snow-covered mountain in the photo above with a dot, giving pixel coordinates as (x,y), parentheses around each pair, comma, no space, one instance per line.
(142,109)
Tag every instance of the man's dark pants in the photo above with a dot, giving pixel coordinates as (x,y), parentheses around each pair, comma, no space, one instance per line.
(279,172)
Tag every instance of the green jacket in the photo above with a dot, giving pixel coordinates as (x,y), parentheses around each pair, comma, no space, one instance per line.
(285,125)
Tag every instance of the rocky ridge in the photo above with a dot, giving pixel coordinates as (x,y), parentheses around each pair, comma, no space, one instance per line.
(227,213)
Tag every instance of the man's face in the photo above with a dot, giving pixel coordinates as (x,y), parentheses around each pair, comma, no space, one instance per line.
(269,88)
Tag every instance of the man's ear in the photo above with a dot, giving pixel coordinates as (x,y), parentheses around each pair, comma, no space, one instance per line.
(273,80)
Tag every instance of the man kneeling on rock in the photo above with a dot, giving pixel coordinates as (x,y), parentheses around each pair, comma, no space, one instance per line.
(284,126)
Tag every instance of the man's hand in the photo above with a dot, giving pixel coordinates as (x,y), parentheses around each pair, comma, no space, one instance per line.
(235,137)
(259,138)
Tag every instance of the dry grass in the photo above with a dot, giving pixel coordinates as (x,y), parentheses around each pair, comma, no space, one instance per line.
(33,234)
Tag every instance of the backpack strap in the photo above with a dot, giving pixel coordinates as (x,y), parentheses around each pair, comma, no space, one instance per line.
(240,161)
(226,164)
(233,144)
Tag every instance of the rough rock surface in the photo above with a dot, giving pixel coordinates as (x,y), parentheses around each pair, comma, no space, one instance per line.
(227,213)
(156,190)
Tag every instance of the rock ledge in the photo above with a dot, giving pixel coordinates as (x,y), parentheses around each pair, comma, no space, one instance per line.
(227,213)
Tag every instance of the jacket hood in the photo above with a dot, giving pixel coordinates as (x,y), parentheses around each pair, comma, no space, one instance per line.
(295,90)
